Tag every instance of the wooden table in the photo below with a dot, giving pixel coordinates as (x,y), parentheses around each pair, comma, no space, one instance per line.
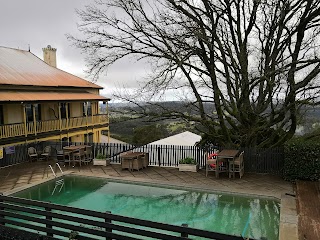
(228,154)
(74,148)
(128,158)
(71,149)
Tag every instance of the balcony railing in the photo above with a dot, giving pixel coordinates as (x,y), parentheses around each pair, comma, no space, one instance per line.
(18,129)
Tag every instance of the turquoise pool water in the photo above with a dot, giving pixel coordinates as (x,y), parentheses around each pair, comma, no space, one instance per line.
(250,217)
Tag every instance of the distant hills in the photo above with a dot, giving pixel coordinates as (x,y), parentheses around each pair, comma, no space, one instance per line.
(308,112)
(122,125)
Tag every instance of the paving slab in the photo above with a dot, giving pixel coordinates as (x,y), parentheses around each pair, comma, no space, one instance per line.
(308,194)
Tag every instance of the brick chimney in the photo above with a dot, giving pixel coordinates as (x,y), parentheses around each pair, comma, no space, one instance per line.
(49,56)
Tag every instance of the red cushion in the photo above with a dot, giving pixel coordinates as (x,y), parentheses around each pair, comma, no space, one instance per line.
(213,155)
(214,165)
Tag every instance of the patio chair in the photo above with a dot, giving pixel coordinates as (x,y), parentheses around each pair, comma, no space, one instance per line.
(78,156)
(237,166)
(211,163)
(137,163)
(67,156)
(88,154)
(32,153)
(46,153)
(60,156)
(125,163)
(145,160)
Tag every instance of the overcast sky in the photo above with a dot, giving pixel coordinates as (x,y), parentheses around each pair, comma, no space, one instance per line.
(39,23)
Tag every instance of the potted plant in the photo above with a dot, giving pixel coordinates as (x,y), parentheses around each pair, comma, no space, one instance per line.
(188,164)
(101,160)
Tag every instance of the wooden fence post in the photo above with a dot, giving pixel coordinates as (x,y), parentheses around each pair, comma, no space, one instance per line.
(108,220)
(183,234)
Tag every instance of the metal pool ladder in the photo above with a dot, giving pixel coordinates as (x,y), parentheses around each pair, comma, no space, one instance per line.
(59,182)
(54,174)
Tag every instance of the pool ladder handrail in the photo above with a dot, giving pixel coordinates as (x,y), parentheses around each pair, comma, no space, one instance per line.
(54,174)
(59,168)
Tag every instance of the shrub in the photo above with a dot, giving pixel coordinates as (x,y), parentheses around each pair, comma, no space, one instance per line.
(302,160)
(188,160)
(101,156)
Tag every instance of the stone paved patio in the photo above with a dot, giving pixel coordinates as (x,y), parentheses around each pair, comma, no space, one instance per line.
(21,176)
(308,195)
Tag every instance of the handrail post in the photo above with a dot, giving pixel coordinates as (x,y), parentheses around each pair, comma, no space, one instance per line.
(183,234)
(1,209)
(108,220)
(48,210)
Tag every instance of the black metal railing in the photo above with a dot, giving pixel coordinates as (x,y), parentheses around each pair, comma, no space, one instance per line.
(54,220)
(255,160)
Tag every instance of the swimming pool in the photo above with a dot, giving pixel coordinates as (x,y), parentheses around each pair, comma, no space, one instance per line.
(231,214)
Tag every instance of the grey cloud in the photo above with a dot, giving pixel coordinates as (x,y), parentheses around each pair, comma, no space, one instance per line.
(43,22)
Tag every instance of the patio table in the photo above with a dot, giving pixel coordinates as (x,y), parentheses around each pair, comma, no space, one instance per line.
(128,158)
(229,154)
(72,149)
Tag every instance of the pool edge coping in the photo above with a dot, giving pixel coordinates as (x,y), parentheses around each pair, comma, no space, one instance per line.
(288,225)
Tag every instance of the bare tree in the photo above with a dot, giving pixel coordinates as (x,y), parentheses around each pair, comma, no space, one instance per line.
(253,63)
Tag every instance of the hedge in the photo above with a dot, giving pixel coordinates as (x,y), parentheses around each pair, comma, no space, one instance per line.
(302,160)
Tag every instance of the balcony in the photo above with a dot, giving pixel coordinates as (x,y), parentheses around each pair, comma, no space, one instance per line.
(20,129)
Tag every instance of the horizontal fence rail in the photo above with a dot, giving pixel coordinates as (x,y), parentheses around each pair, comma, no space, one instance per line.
(55,220)
(255,160)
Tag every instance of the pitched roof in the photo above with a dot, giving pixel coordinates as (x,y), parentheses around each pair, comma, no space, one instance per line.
(20,67)
(104,139)
(182,139)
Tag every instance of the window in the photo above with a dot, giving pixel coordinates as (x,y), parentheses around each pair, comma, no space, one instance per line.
(88,138)
(65,141)
(87,108)
(29,112)
(63,110)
